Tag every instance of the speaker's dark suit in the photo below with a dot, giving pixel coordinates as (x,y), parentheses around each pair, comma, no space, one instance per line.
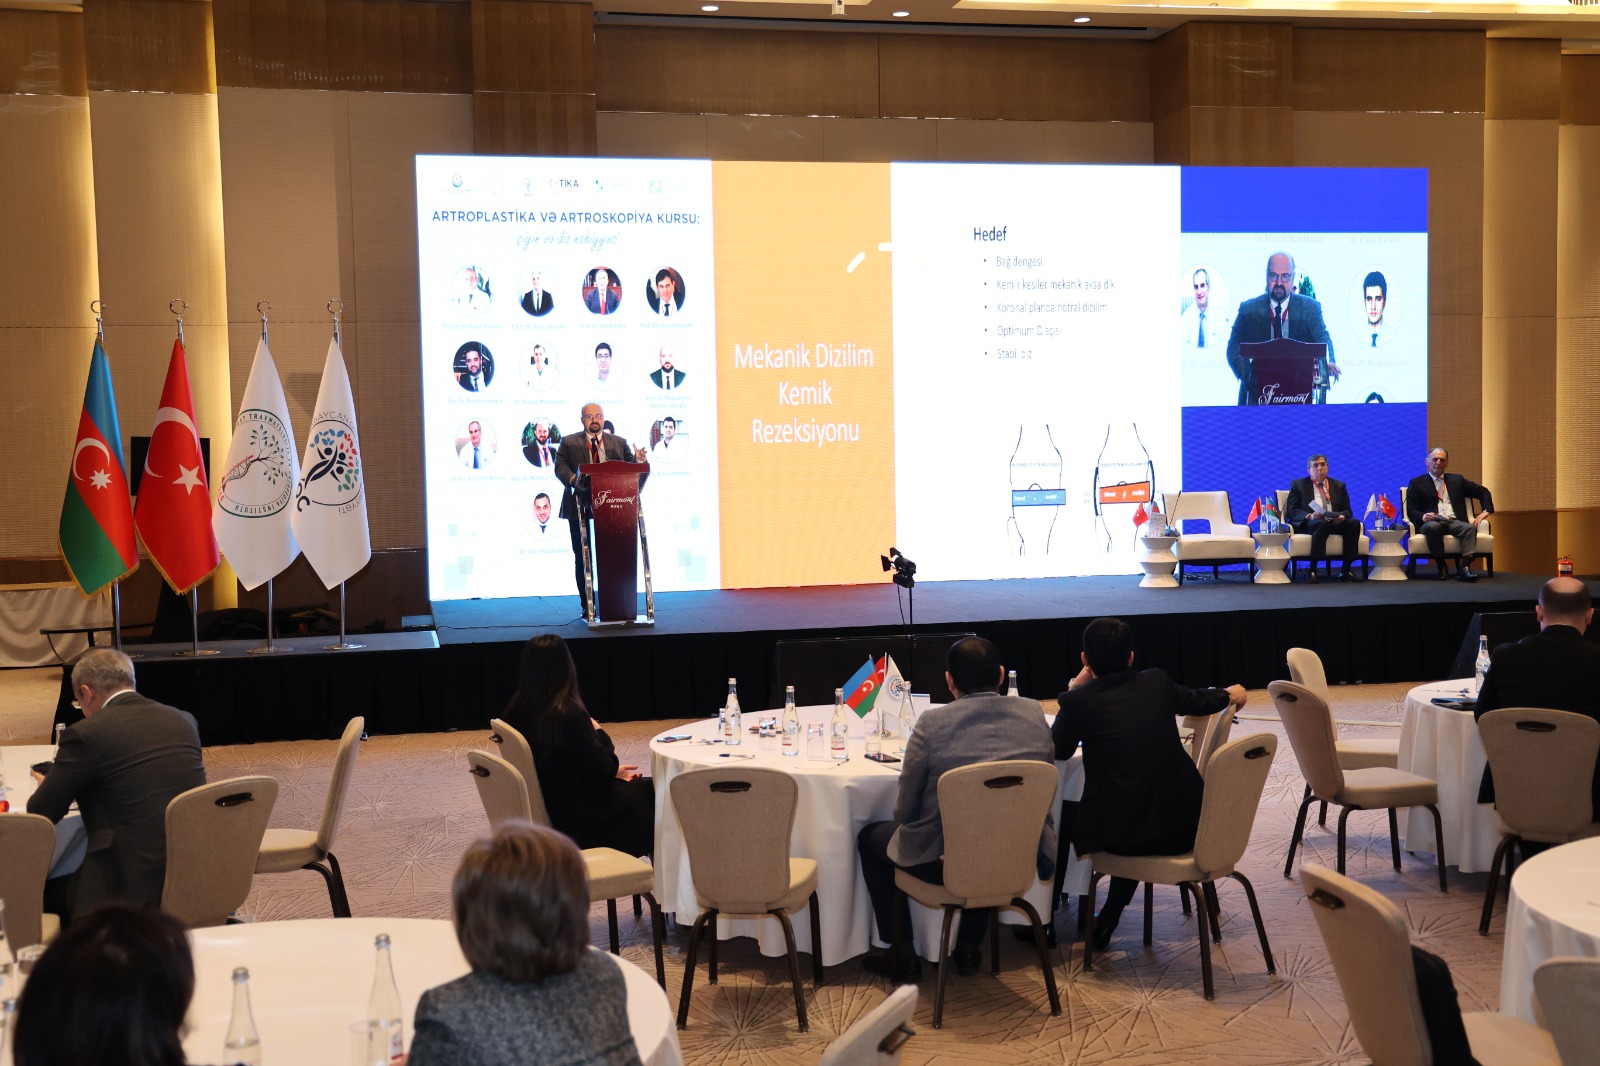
(122,765)
(1254,323)
(1422,497)
(1300,516)
(573,453)
(1557,668)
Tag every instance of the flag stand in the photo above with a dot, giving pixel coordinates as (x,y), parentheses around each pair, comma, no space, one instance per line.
(343,644)
(269,648)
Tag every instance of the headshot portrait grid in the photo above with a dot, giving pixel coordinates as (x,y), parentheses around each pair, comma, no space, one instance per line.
(475,444)
(664,293)
(470,291)
(473,366)
(602,292)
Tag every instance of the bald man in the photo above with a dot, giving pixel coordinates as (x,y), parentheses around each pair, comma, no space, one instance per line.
(1278,312)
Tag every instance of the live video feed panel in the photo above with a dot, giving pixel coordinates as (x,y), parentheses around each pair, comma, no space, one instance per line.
(988,366)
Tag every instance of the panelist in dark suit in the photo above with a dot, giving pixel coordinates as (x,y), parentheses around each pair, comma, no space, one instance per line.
(1557,668)
(1141,791)
(593,445)
(601,293)
(1436,504)
(1320,506)
(1278,312)
(122,765)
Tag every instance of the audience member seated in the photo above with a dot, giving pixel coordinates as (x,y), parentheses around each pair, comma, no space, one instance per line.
(1141,791)
(980,726)
(112,990)
(590,796)
(536,993)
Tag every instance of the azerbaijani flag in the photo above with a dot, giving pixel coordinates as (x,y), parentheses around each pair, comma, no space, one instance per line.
(96,531)
(861,691)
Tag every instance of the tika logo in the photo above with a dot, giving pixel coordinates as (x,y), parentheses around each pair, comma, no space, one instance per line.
(569,183)
(1269,395)
(604,498)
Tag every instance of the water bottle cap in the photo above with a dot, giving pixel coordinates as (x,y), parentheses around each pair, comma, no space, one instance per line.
(241,973)
(382,940)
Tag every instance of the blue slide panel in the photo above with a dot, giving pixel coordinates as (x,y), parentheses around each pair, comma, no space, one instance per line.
(1290,200)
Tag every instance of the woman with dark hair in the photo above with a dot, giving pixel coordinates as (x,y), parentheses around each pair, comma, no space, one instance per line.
(111,990)
(590,796)
(537,992)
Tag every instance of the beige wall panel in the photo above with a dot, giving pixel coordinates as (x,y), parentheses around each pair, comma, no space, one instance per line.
(1455,391)
(1525,542)
(1451,146)
(652,135)
(1523,79)
(386,378)
(1520,168)
(1171,140)
(1580,90)
(47,173)
(1577,262)
(879,140)
(1576,400)
(532,46)
(1388,70)
(157,46)
(774,138)
(41,52)
(1578,319)
(1231,64)
(533,123)
(1240,136)
(1519,434)
(1577,535)
(42,373)
(1046,142)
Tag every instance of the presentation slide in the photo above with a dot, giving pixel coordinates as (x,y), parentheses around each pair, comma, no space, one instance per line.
(994,368)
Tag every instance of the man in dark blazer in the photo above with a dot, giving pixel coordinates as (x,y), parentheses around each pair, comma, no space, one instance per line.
(593,445)
(1556,668)
(537,301)
(122,765)
(1319,506)
(1436,504)
(1278,312)
(980,726)
(1141,791)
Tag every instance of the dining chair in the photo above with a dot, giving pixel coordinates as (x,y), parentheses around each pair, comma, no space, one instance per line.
(214,835)
(283,850)
(1234,780)
(1309,723)
(1218,727)
(879,1036)
(745,872)
(992,815)
(1567,990)
(1367,942)
(1543,763)
(1305,668)
(506,797)
(27,842)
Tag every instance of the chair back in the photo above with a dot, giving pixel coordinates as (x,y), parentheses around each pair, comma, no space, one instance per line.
(993,814)
(1210,507)
(878,1036)
(27,841)
(213,840)
(515,749)
(1234,780)
(500,789)
(1305,668)
(1366,938)
(1567,990)
(737,824)
(1217,727)
(1309,723)
(1543,764)
(344,765)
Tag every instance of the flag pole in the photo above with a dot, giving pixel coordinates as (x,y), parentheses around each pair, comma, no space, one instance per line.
(178,307)
(97,308)
(336,309)
(262,307)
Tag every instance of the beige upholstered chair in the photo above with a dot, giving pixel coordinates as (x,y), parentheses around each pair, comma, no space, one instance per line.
(1309,723)
(1228,542)
(1567,990)
(27,842)
(736,824)
(515,749)
(877,1037)
(1305,668)
(1234,780)
(1543,765)
(992,814)
(1299,546)
(1218,726)
(283,850)
(214,835)
(1366,938)
(1417,544)
(506,797)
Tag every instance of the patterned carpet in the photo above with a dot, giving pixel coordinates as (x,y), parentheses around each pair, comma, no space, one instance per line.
(413,808)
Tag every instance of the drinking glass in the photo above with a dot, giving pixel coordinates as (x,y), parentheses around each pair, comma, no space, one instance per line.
(27,959)
(369,1043)
(768,740)
(875,734)
(816,741)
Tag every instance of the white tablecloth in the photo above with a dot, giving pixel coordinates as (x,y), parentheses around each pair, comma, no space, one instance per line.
(309,980)
(71,840)
(1555,910)
(26,609)
(1443,744)
(835,802)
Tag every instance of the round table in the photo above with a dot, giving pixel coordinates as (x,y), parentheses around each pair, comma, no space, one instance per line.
(309,980)
(1386,553)
(1158,562)
(1272,557)
(1555,910)
(835,801)
(1443,744)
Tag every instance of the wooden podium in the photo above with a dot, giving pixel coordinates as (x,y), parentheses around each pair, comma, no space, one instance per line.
(1285,371)
(612,558)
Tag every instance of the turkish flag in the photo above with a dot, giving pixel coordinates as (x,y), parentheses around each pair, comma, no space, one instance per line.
(1140,517)
(173,513)
(1255,512)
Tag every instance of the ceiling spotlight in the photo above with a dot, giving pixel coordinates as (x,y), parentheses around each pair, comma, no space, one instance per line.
(708,7)
(1081,19)
(902,14)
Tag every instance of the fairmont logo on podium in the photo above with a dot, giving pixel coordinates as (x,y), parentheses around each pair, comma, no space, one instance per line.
(1269,395)
(604,498)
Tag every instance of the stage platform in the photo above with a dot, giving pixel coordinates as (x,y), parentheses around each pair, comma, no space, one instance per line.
(1207,632)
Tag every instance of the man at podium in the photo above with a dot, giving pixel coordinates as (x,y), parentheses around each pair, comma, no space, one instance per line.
(593,445)
(1278,312)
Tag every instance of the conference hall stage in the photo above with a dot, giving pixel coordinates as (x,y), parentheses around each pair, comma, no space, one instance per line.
(1206,632)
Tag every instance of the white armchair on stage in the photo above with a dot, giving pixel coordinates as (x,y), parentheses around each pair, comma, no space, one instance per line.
(1300,544)
(1227,543)
(1417,544)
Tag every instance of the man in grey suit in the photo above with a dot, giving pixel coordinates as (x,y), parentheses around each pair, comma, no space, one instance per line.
(980,726)
(593,445)
(122,764)
(1278,312)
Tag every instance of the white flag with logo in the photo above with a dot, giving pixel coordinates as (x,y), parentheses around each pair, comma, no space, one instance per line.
(257,491)
(330,506)
(895,689)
